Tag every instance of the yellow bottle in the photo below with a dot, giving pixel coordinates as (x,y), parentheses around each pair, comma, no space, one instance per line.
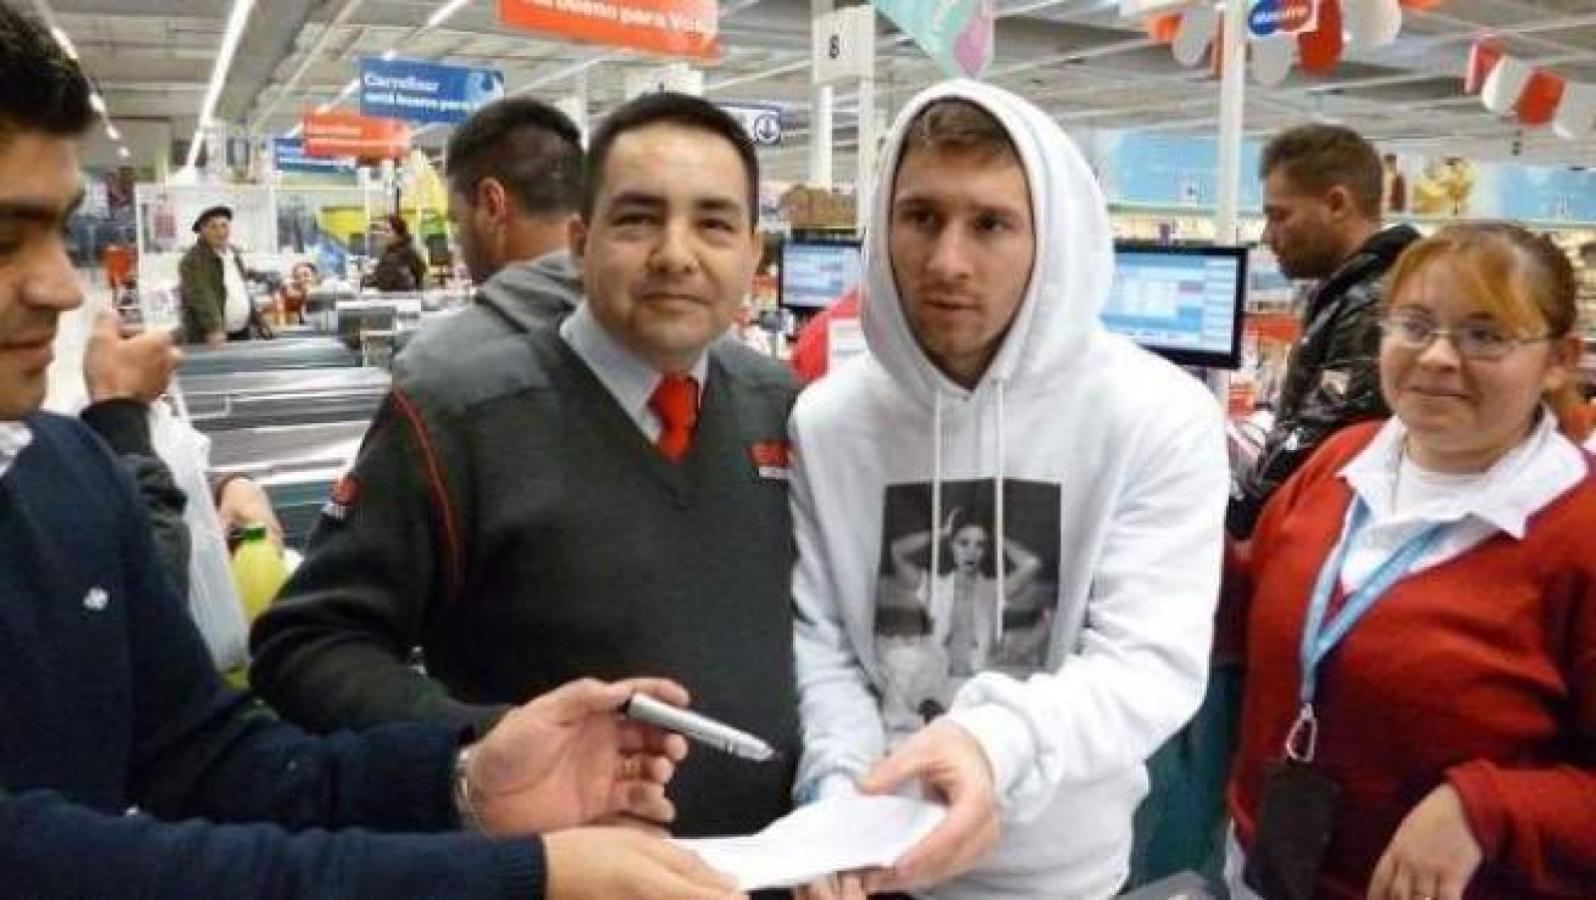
(258,571)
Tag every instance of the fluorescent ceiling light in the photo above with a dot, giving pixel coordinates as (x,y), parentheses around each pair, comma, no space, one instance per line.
(389,54)
(294,132)
(443,12)
(65,42)
(111,132)
(122,152)
(97,103)
(224,61)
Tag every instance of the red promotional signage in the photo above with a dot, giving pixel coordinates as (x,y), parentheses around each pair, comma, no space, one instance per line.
(1537,104)
(1319,50)
(1483,57)
(351,134)
(671,27)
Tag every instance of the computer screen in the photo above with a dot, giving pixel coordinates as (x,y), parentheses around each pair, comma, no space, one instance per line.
(1183,303)
(815,273)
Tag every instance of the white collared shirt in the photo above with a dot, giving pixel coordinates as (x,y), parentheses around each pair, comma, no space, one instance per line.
(1540,469)
(14,438)
(235,313)
(628,379)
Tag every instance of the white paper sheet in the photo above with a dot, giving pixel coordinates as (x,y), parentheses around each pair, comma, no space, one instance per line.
(835,835)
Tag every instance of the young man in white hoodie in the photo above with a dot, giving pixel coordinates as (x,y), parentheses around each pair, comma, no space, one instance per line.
(1008,521)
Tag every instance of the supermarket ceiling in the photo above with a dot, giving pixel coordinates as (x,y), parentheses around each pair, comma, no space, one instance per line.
(153,60)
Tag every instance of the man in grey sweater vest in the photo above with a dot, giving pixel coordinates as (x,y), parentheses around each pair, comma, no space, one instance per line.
(604,499)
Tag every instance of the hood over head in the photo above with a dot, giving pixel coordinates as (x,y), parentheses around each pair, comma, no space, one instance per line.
(1070,278)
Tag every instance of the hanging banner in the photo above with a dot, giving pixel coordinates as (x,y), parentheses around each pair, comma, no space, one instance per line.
(288,155)
(1446,186)
(1266,18)
(958,34)
(763,123)
(425,92)
(671,27)
(339,133)
(1168,170)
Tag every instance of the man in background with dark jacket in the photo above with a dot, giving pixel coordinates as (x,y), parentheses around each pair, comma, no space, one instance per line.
(127,768)
(1323,186)
(1322,191)
(211,279)
(515,183)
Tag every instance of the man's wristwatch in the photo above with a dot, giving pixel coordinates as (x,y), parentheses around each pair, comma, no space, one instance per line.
(470,819)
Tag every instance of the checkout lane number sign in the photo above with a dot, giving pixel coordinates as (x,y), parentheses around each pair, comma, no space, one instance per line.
(1267,18)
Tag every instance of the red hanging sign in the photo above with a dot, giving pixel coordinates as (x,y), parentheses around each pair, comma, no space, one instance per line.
(671,27)
(338,133)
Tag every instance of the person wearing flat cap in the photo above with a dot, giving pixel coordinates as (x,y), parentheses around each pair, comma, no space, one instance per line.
(216,304)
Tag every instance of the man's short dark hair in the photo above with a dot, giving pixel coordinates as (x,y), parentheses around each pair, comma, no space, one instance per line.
(41,88)
(526,145)
(1319,157)
(683,111)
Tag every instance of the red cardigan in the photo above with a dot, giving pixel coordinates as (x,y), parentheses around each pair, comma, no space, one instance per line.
(1480,671)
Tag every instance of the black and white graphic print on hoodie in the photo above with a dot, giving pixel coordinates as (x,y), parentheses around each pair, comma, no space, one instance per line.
(1135,448)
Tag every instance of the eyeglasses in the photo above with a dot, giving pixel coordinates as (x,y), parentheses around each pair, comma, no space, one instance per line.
(1479,341)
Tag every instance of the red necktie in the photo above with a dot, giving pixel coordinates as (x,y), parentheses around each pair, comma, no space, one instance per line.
(675,401)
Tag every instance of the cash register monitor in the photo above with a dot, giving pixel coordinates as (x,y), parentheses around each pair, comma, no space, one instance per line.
(815,273)
(1183,303)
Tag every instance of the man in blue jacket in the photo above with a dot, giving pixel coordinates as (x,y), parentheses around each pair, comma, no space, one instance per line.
(127,769)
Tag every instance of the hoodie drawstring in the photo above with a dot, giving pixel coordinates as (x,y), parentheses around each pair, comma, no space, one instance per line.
(999,525)
(936,498)
(1002,554)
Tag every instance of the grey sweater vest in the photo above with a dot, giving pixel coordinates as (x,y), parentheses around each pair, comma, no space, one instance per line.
(586,553)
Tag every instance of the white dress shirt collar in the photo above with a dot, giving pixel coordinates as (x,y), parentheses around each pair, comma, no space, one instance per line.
(629,380)
(1539,470)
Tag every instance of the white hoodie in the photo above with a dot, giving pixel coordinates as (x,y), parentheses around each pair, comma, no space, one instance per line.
(1114,481)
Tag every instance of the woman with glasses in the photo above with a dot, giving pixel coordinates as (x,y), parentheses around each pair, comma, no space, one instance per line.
(1420,712)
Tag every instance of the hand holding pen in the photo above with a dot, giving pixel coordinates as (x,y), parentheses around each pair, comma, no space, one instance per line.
(566,759)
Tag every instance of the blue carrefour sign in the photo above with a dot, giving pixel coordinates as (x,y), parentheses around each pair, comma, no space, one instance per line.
(425,92)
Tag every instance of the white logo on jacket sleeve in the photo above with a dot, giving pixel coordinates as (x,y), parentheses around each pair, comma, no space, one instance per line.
(96,600)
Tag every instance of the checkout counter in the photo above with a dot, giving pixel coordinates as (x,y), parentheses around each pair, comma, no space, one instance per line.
(291,412)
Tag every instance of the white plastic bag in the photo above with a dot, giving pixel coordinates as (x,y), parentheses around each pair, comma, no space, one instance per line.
(212,599)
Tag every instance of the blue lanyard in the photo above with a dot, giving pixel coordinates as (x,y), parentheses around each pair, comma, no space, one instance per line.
(1319,637)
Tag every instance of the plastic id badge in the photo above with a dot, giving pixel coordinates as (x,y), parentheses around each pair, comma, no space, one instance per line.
(1295,820)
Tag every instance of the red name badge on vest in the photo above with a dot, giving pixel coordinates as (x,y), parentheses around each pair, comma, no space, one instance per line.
(771,459)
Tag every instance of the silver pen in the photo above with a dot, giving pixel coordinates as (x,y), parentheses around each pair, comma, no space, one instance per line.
(703,729)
